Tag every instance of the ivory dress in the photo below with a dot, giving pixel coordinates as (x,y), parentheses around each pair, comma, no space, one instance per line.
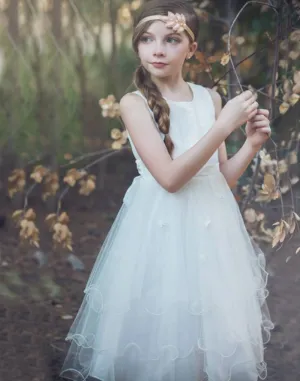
(178,290)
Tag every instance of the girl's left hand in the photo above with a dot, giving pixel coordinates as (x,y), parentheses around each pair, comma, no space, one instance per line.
(258,129)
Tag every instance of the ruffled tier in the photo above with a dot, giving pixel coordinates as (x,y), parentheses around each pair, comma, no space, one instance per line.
(177,293)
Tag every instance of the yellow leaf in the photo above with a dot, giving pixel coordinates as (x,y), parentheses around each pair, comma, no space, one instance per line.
(225,59)
(283,108)
(36,244)
(292,226)
(296,216)
(64,218)
(293,157)
(30,215)
(116,134)
(50,220)
(293,99)
(17,213)
(250,215)
(68,156)
(116,145)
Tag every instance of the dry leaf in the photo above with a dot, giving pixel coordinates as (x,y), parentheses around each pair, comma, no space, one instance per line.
(225,59)
(30,215)
(250,215)
(295,35)
(110,108)
(62,237)
(296,77)
(116,134)
(68,156)
(29,232)
(50,220)
(87,185)
(282,166)
(16,182)
(38,173)
(17,214)
(283,108)
(293,157)
(50,185)
(116,145)
(280,233)
(269,190)
(63,218)
(73,175)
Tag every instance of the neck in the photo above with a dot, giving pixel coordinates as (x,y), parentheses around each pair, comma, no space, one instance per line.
(171,86)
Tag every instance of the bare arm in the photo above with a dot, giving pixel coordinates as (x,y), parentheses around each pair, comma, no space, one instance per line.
(233,168)
(170,173)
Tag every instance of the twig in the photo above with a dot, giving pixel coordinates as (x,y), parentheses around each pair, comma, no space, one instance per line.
(66,190)
(55,347)
(85,156)
(257,166)
(30,189)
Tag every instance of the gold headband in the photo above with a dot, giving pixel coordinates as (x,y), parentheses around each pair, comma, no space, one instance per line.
(175,21)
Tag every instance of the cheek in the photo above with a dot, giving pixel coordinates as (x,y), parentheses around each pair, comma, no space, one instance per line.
(143,50)
(179,50)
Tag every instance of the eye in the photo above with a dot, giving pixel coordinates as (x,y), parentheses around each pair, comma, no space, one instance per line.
(173,40)
(145,38)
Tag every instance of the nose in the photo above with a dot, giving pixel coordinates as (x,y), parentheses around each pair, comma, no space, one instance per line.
(159,49)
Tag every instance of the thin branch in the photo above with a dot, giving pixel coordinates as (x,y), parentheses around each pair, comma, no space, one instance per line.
(66,190)
(30,189)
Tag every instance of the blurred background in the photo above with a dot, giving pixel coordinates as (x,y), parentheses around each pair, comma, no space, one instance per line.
(65,160)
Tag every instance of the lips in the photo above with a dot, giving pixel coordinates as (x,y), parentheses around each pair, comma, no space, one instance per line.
(159,64)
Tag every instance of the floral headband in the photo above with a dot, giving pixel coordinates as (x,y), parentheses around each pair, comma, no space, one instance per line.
(175,21)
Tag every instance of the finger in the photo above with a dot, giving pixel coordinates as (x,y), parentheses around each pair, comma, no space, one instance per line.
(252,107)
(252,115)
(250,100)
(260,124)
(266,130)
(259,118)
(247,95)
(264,112)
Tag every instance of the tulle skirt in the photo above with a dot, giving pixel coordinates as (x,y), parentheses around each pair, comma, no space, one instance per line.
(177,292)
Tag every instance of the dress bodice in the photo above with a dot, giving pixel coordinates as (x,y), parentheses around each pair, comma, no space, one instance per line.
(189,122)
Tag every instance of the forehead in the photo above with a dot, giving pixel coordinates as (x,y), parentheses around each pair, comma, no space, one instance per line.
(159,27)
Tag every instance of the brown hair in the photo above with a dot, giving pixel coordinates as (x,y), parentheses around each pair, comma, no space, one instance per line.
(142,78)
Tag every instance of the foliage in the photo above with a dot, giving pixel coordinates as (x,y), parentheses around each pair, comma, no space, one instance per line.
(57,113)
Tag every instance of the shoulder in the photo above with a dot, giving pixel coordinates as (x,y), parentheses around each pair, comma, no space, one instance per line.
(217,100)
(130,100)
(215,96)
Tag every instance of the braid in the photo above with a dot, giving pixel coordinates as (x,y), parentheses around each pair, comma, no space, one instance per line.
(156,102)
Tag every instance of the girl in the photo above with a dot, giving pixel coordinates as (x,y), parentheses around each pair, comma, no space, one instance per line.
(178,290)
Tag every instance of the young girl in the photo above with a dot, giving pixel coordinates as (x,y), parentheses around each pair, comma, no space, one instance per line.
(178,290)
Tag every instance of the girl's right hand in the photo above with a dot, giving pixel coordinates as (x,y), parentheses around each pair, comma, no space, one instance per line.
(238,110)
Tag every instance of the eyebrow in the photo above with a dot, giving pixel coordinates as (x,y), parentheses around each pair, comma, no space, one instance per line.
(169,34)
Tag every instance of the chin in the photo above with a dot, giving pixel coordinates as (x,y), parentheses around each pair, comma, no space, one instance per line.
(159,73)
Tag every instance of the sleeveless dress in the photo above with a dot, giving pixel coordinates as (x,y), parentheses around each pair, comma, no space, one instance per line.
(178,290)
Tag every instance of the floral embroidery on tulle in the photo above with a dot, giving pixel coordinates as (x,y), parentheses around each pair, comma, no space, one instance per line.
(162,223)
(207,222)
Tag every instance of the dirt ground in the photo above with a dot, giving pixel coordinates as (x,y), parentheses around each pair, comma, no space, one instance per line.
(37,304)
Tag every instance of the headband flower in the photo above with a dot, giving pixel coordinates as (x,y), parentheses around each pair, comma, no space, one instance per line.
(174,21)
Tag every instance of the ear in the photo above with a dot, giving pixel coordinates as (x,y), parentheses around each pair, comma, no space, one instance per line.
(192,49)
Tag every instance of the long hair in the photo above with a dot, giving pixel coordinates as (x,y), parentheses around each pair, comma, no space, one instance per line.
(142,78)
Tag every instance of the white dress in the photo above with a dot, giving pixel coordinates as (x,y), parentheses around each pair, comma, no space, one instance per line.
(178,290)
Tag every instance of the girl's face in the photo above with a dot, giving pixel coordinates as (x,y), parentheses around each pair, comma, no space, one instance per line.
(160,44)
